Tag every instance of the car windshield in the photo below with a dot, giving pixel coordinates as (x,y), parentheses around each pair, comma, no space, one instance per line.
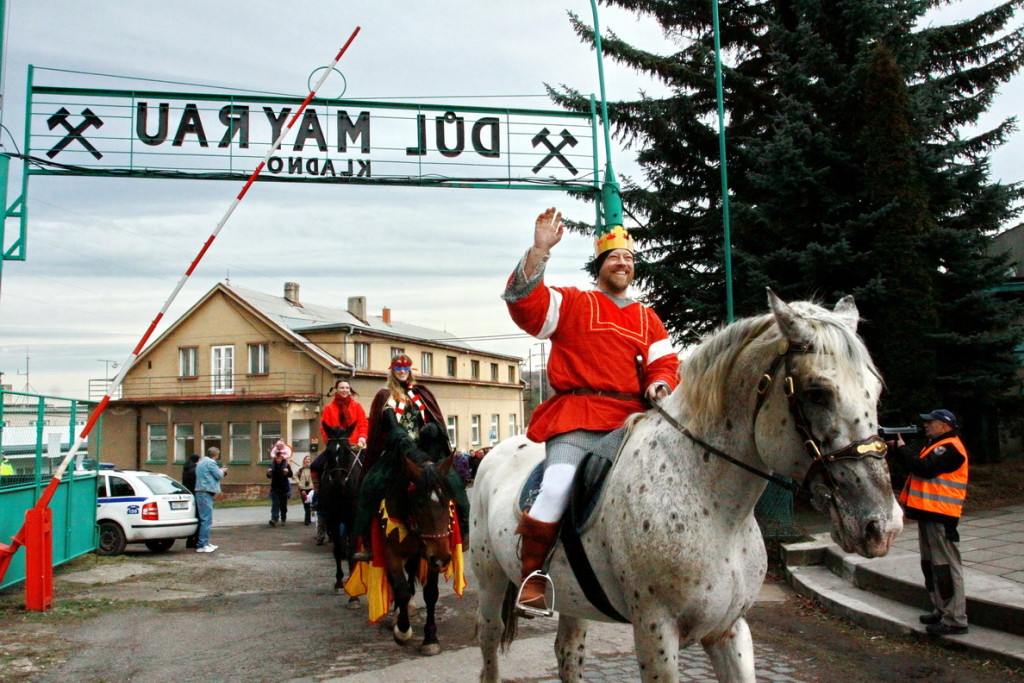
(161,485)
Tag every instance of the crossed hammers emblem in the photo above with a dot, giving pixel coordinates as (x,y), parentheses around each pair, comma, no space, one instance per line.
(554,151)
(74,132)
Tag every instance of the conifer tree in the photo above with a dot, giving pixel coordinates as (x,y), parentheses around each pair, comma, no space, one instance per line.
(854,168)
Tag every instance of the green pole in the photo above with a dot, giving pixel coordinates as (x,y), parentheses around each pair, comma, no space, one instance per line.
(611,198)
(727,239)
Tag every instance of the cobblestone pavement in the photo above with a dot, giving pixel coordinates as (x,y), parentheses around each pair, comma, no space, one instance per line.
(694,666)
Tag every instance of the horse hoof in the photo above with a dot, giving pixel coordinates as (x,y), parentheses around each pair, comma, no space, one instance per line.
(353,603)
(430,650)
(339,590)
(402,638)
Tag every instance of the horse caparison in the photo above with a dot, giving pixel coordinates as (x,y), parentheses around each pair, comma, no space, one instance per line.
(423,500)
(673,540)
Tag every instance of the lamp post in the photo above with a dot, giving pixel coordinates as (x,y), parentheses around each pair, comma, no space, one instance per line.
(108,364)
(543,369)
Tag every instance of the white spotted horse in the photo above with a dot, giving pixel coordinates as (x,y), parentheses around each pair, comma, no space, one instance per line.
(672,542)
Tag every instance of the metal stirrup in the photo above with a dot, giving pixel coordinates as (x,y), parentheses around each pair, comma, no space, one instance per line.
(530,611)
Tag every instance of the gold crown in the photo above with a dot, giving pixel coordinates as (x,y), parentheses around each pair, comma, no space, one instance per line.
(616,238)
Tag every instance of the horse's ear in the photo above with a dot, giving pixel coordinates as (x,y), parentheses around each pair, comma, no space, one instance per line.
(412,469)
(446,465)
(792,324)
(847,311)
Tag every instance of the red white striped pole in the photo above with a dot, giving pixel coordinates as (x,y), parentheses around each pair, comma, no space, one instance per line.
(7,551)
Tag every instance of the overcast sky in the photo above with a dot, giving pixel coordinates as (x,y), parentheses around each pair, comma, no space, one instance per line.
(104,254)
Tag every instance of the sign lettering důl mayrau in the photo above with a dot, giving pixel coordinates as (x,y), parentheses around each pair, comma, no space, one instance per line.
(201,135)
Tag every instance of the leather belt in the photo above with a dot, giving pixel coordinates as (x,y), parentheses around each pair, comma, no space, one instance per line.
(586,391)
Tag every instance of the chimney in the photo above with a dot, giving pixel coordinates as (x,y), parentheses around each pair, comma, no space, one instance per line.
(291,293)
(386,315)
(357,306)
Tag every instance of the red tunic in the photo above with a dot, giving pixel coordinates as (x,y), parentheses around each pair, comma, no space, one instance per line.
(339,414)
(594,346)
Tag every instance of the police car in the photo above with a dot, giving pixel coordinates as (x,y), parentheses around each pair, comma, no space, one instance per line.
(141,507)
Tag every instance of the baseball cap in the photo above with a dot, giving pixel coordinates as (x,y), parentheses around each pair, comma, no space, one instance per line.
(942,415)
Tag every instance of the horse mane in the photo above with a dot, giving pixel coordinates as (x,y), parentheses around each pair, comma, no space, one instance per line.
(429,480)
(705,371)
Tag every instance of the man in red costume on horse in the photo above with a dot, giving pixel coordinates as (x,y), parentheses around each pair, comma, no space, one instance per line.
(608,354)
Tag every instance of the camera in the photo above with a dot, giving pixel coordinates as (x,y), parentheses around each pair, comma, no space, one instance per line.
(890,433)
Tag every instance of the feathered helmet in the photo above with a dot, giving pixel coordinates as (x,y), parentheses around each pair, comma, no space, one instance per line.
(615,238)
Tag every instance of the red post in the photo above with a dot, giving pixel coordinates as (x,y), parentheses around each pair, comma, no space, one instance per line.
(39,559)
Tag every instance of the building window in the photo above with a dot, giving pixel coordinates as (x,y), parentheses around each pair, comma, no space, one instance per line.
(426,363)
(188,362)
(474,427)
(494,435)
(474,369)
(184,441)
(453,430)
(259,359)
(222,369)
(512,431)
(452,365)
(396,351)
(241,442)
(270,432)
(157,443)
(494,372)
(511,374)
(211,435)
(362,356)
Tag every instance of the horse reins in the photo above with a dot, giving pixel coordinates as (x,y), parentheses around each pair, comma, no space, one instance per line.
(872,446)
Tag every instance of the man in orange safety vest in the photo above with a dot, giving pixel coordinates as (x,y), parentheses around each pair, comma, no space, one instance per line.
(934,495)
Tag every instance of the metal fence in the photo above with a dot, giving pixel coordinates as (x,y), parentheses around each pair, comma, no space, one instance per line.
(238,385)
(36,432)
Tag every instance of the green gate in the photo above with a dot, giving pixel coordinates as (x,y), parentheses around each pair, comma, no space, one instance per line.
(36,433)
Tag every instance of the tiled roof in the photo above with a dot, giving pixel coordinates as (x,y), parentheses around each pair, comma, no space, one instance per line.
(306,317)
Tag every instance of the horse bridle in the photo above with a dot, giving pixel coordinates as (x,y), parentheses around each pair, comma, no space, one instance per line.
(332,472)
(873,446)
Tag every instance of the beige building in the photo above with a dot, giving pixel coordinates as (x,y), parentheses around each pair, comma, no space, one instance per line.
(241,369)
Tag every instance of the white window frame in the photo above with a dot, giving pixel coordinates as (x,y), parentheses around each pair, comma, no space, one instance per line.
(474,429)
(156,441)
(183,432)
(213,435)
(188,361)
(452,365)
(361,353)
(426,363)
(494,436)
(512,425)
(453,430)
(222,369)
(259,358)
(240,443)
(269,432)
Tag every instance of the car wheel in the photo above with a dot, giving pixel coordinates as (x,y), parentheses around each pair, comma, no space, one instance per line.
(160,545)
(112,540)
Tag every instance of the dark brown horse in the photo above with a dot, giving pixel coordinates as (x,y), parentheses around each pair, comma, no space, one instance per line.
(423,548)
(336,499)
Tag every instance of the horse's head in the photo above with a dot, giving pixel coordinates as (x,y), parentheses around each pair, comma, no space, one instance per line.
(827,407)
(804,383)
(430,509)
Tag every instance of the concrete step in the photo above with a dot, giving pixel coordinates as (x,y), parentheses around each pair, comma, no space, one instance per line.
(887,594)
(992,602)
